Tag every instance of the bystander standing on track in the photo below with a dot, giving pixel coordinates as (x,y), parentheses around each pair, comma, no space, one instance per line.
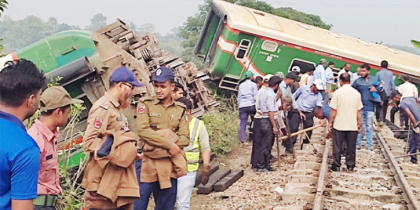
(344,122)
(345,69)
(307,78)
(269,127)
(319,73)
(247,94)
(55,112)
(364,86)
(257,135)
(387,78)
(20,90)
(329,75)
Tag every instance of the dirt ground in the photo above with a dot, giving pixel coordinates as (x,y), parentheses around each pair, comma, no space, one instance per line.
(252,191)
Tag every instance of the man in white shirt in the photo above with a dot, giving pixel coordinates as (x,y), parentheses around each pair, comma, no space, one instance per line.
(329,75)
(346,69)
(307,78)
(319,73)
(407,89)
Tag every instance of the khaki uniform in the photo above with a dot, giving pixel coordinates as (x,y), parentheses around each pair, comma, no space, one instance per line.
(150,110)
(105,114)
(105,117)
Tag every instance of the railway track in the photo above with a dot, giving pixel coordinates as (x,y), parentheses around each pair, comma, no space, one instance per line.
(379,180)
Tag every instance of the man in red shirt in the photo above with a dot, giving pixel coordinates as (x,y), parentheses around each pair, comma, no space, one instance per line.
(55,112)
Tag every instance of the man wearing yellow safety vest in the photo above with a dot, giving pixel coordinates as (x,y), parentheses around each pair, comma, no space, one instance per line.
(199,142)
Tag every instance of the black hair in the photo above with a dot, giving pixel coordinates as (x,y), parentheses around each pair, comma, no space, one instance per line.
(311,68)
(345,77)
(330,63)
(49,112)
(274,81)
(384,64)
(178,86)
(186,102)
(394,93)
(291,75)
(365,66)
(258,79)
(317,110)
(405,77)
(18,81)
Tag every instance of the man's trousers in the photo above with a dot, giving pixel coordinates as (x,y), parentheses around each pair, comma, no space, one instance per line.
(350,138)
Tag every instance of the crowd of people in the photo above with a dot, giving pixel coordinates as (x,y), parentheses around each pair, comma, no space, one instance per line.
(278,109)
(161,157)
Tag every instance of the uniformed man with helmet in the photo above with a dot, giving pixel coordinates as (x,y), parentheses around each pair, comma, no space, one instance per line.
(162,126)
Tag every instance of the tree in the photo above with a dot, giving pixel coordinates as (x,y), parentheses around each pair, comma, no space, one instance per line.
(98,21)
(415,43)
(3,5)
(190,30)
(20,33)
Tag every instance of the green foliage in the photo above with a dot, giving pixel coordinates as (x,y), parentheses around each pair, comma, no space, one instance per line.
(72,196)
(3,5)
(223,138)
(17,34)
(415,43)
(190,31)
(98,21)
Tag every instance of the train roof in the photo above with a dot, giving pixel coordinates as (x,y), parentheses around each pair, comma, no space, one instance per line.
(260,23)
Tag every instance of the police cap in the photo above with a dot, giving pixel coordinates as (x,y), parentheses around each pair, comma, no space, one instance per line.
(163,74)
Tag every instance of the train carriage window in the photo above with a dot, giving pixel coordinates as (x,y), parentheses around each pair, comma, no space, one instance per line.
(269,46)
(243,49)
(300,65)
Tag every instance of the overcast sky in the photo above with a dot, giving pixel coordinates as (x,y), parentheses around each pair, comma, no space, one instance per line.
(390,21)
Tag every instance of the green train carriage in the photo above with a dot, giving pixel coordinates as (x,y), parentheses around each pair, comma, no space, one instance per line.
(235,39)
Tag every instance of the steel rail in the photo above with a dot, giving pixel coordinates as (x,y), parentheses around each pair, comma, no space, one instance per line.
(319,196)
(409,197)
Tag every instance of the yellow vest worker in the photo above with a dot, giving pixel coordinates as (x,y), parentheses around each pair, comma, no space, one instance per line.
(199,142)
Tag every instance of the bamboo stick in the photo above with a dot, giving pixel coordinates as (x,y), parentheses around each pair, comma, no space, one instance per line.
(300,132)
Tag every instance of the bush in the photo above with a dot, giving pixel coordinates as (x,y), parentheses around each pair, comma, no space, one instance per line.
(223,127)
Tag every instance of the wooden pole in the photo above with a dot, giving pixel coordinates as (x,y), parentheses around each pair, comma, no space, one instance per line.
(300,132)
(278,151)
(418,153)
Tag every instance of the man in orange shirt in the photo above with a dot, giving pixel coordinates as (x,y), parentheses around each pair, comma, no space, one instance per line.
(55,112)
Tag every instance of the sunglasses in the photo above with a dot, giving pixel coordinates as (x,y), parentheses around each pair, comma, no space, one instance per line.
(130,86)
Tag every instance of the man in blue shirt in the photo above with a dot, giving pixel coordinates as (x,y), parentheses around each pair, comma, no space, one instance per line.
(388,79)
(319,73)
(268,124)
(247,94)
(307,98)
(20,89)
(364,86)
(410,107)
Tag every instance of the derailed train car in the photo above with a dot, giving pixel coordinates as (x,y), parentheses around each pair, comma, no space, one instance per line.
(236,39)
(85,61)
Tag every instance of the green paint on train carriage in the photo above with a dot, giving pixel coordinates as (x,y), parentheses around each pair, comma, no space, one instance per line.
(59,49)
(224,62)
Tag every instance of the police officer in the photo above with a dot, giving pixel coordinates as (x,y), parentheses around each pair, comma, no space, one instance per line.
(106,114)
(162,125)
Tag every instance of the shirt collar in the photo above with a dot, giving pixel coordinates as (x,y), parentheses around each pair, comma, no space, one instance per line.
(112,99)
(157,101)
(50,135)
(13,119)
